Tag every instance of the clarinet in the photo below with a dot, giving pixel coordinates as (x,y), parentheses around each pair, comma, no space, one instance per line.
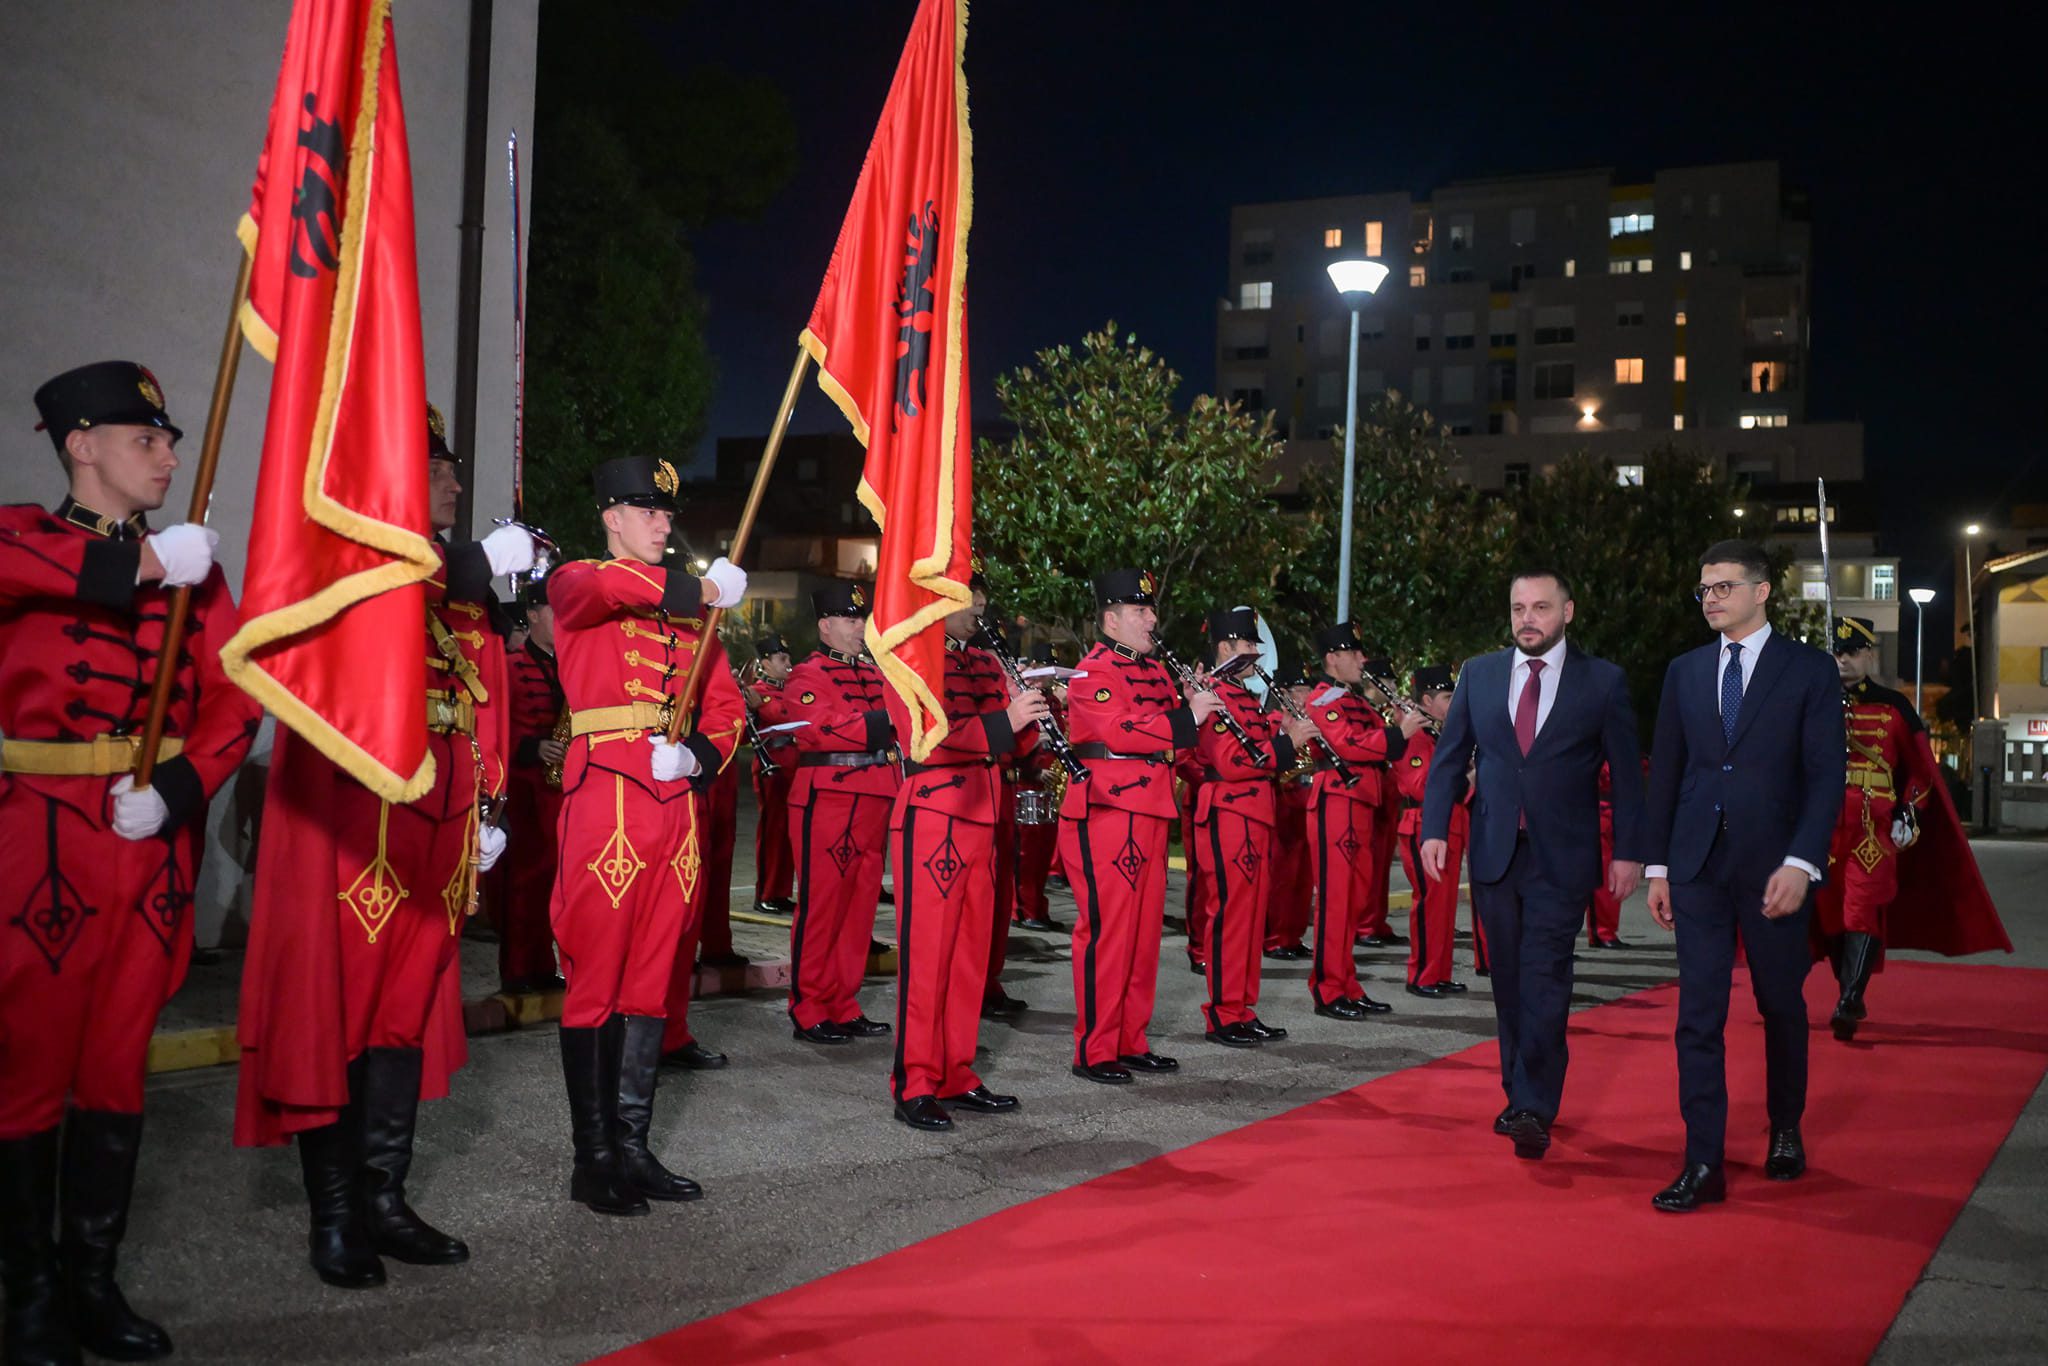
(1392,692)
(769,768)
(1345,773)
(1048,729)
(1189,684)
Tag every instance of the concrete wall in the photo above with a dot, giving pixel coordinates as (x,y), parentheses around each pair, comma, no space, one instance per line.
(132,128)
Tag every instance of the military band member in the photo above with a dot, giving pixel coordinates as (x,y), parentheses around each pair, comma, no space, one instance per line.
(774,771)
(1187,792)
(96,929)
(1343,817)
(942,829)
(996,1003)
(1433,923)
(351,1006)
(1900,871)
(1375,930)
(523,882)
(1037,844)
(1128,724)
(1291,890)
(1233,840)
(628,628)
(846,782)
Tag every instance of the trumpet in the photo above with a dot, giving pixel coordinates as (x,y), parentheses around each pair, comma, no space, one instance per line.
(1054,735)
(1191,683)
(1285,701)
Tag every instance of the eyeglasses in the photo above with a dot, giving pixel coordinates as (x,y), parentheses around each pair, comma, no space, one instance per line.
(1720,591)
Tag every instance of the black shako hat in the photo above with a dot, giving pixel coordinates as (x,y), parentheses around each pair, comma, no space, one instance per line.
(1232,623)
(1853,634)
(1041,653)
(437,435)
(641,481)
(1379,666)
(769,644)
(1136,587)
(534,593)
(1343,636)
(116,393)
(840,598)
(1433,678)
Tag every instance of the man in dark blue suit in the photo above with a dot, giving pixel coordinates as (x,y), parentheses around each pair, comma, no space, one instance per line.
(1540,718)
(1746,774)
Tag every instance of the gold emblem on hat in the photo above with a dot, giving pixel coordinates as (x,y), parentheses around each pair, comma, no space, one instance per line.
(1147,584)
(665,480)
(437,424)
(858,598)
(151,390)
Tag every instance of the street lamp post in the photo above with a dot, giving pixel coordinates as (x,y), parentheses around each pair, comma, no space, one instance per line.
(1356,281)
(1921,597)
(1970,533)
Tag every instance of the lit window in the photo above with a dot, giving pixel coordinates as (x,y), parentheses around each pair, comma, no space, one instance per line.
(1643,265)
(1461,232)
(1418,276)
(1621,267)
(1628,370)
(1629,476)
(1685,260)
(1255,294)
(1678,369)
(1333,237)
(1372,238)
(1622,224)
(1678,318)
(1767,376)
(1678,422)
(1571,267)
(1884,584)
(1753,420)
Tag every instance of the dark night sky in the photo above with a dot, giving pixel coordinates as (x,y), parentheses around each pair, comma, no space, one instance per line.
(1111,140)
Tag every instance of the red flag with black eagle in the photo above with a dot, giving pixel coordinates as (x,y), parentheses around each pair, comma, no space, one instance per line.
(339,545)
(889,333)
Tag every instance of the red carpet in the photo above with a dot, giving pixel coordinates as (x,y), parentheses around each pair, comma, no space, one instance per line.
(1388,1223)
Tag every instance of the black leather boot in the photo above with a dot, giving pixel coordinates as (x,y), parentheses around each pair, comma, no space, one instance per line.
(639,1063)
(390,1108)
(38,1332)
(596,1180)
(1860,953)
(100,1148)
(328,1157)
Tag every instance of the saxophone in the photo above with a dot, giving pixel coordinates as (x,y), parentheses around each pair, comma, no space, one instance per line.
(551,774)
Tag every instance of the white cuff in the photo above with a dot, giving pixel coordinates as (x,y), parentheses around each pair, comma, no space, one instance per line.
(1812,873)
(1658,870)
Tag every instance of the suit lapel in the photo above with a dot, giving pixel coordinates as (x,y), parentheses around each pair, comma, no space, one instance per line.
(1570,674)
(1769,665)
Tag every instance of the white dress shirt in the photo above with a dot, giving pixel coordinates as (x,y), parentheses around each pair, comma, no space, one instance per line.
(1752,647)
(1546,682)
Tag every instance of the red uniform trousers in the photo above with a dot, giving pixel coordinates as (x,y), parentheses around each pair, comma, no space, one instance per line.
(1004,889)
(838,841)
(1035,847)
(629,883)
(774,871)
(1194,906)
(708,917)
(1433,923)
(1386,838)
(1866,892)
(95,936)
(1116,864)
(1603,912)
(1340,845)
(1291,885)
(945,915)
(1236,859)
(523,883)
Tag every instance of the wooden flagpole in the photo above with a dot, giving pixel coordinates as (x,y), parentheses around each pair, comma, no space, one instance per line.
(202,498)
(693,683)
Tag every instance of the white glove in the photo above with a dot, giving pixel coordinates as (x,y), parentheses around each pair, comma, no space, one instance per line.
(672,763)
(185,551)
(490,843)
(137,815)
(729,579)
(1905,827)
(509,549)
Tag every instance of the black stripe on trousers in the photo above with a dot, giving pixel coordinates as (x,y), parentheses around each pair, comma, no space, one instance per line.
(1216,921)
(803,914)
(1094,941)
(1418,916)
(1322,856)
(904,896)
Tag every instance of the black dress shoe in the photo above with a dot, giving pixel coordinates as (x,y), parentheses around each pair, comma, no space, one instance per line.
(1787,1161)
(1452,987)
(778,906)
(696,1057)
(924,1112)
(1482,972)
(1530,1133)
(1002,1008)
(1373,941)
(1393,938)
(1108,1073)
(982,1101)
(1198,967)
(1341,1010)
(1369,1005)
(1697,1185)
(861,1027)
(1502,1120)
(1282,954)
(824,1031)
(1269,1033)
(1039,924)
(1237,1035)
(1149,1061)
(722,960)
(876,948)
(1433,991)
(1612,944)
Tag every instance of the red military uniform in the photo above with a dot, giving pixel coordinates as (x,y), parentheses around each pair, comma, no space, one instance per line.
(522,885)
(1194,905)
(1127,723)
(711,926)
(1034,845)
(1341,837)
(1603,912)
(96,930)
(943,831)
(774,774)
(1433,924)
(1291,890)
(1386,820)
(845,785)
(1233,852)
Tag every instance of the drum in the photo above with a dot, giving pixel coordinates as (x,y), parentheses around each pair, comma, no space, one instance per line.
(1034,807)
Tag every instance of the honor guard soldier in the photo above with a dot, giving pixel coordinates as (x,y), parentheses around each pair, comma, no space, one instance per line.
(1900,871)
(1433,923)
(943,831)
(1343,816)
(525,878)
(1291,890)
(96,929)
(774,773)
(1128,723)
(1233,839)
(628,628)
(1038,840)
(351,1005)
(846,781)
(1375,930)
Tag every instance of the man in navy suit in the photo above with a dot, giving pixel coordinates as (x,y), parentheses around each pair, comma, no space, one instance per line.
(1746,774)
(1541,718)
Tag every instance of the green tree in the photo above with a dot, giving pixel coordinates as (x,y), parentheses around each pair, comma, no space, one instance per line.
(1105,471)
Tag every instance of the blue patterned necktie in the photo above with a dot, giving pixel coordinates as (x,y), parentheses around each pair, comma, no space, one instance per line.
(1731,693)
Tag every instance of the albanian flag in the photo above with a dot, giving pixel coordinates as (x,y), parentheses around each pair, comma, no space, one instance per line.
(889,333)
(331,601)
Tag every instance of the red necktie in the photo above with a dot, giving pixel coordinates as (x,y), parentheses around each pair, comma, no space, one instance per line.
(1525,709)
